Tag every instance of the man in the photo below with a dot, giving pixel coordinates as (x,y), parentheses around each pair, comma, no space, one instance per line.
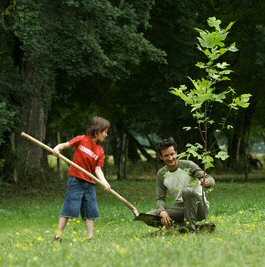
(184,179)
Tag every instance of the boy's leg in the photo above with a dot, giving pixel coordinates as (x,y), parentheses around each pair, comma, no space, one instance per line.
(89,208)
(90,228)
(62,223)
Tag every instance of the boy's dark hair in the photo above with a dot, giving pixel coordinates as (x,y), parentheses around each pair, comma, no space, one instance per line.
(97,125)
(165,144)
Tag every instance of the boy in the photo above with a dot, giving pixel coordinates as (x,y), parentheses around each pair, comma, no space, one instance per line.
(81,191)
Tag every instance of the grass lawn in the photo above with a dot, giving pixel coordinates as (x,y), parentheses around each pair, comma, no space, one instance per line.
(28,223)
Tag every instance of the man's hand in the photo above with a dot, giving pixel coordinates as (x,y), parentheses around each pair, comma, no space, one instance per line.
(205,183)
(166,220)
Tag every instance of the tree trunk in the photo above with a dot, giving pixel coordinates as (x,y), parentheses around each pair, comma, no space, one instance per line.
(13,149)
(133,153)
(240,141)
(33,119)
(122,169)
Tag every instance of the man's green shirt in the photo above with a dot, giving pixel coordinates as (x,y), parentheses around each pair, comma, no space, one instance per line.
(187,175)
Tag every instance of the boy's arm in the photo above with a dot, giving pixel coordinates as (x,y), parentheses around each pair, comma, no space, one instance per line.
(61,147)
(99,173)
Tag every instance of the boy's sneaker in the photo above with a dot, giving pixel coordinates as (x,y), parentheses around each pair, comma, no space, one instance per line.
(57,239)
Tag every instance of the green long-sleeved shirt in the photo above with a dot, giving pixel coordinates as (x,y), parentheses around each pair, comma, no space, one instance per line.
(188,174)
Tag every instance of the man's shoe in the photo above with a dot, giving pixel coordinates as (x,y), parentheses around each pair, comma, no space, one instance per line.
(206,227)
(187,229)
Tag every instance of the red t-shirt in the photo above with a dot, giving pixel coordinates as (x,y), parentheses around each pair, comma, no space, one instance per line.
(87,155)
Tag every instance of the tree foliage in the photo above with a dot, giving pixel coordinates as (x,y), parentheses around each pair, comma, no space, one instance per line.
(204,97)
(78,39)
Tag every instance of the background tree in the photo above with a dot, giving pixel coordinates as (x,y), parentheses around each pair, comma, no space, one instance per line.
(82,40)
(248,70)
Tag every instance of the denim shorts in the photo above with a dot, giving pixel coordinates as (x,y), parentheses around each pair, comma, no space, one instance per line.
(80,198)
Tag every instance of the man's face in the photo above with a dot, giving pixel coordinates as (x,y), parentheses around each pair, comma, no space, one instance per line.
(169,157)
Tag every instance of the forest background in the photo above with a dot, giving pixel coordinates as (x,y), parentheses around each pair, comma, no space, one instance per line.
(63,61)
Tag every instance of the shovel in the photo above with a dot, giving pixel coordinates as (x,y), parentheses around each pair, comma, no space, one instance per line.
(149,219)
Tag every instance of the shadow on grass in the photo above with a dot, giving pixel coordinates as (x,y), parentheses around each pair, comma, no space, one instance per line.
(177,230)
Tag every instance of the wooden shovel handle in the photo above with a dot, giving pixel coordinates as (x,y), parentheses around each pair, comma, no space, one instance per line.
(127,203)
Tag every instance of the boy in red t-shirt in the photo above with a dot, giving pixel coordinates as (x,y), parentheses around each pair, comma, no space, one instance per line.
(81,191)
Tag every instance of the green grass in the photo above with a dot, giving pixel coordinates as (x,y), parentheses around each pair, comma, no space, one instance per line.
(28,223)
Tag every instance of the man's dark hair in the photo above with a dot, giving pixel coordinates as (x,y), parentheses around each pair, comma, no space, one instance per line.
(165,144)
(97,125)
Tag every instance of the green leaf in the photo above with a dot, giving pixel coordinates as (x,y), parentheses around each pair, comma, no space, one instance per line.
(198,115)
(179,92)
(223,65)
(243,100)
(222,155)
(200,65)
(208,161)
(213,22)
(223,50)
(232,47)
(229,26)
(187,128)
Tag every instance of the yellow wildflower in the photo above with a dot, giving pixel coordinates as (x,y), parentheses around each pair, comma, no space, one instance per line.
(19,245)
(40,238)
(137,238)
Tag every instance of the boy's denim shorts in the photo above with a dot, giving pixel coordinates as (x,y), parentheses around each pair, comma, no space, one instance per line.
(80,198)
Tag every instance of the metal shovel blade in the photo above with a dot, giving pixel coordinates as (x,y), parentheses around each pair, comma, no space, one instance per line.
(151,220)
